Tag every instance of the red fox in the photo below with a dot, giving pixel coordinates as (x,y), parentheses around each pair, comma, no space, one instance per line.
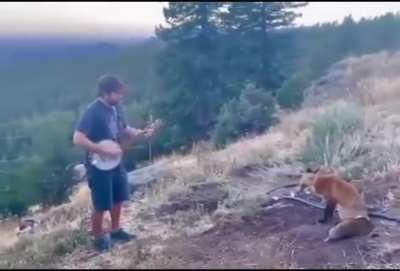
(352,210)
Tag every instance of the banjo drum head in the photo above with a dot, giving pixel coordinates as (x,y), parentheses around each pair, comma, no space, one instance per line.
(103,162)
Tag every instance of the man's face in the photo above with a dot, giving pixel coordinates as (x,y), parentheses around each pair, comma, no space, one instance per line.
(115,97)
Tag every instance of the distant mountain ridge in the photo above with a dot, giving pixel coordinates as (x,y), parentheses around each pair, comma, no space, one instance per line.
(18,50)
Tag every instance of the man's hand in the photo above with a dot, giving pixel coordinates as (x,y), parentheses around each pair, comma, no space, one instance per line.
(149,132)
(135,134)
(153,128)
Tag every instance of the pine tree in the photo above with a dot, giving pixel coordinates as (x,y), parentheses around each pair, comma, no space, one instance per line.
(189,66)
(256,23)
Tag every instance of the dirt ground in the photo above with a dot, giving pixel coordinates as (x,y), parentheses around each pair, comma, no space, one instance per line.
(270,234)
(285,234)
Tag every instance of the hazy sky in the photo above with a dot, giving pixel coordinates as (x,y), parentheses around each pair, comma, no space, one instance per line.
(128,19)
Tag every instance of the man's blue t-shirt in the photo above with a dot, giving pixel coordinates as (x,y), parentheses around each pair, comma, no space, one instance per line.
(101,121)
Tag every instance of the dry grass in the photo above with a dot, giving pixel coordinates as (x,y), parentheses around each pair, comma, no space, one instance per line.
(374,91)
(369,150)
(62,229)
(375,78)
(179,181)
(375,85)
(71,213)
(192,222)
(43,250)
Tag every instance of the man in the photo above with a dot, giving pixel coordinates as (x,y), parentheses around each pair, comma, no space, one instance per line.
(104,119)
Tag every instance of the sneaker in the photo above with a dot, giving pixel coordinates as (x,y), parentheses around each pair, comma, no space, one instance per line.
(103,243)
(122,236)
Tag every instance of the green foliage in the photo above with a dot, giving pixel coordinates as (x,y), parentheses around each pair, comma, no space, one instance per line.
(228,124)
(17,207)
(70,84)
(42,174)
(252,113)
(256,109)
(290,96)
(330,132)
(212,52)
(190,69)
(256,23)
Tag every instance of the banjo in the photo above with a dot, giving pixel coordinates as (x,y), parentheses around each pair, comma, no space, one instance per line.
(103,162)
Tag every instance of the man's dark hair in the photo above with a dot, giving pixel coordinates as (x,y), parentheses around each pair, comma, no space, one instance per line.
(109,83)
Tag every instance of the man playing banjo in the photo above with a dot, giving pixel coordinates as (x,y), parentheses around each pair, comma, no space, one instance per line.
(100,131)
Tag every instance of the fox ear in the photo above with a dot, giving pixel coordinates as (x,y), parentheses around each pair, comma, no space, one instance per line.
(309,170)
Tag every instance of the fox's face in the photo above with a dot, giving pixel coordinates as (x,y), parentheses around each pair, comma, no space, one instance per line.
(309,178)
(306,181)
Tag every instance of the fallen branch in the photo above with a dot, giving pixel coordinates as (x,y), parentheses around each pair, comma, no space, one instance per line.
(318,206)
(370,209)
(284,186)
(315,205)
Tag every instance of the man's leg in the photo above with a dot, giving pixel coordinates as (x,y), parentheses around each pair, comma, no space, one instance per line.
(120,194)
(100,183)
(116,216)
(97,224)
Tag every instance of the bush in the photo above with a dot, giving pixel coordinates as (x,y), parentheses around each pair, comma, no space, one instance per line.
(336,136)
(18,207)
(252,113)
(290,95)
(40,172)
(228,124)
(256,109)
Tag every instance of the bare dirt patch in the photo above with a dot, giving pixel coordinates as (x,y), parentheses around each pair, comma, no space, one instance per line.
(284,235)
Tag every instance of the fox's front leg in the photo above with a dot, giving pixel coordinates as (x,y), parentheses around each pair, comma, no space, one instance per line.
(328,211)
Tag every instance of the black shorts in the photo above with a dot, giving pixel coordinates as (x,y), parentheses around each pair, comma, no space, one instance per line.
(107,187)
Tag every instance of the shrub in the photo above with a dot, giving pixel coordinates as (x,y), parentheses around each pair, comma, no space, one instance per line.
(290,95)
(252,113)
(336,136)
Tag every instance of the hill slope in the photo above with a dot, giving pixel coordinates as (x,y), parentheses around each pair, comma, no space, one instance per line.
(210,208)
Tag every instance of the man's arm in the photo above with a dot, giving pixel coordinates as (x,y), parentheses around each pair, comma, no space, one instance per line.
(134,134)
(81,140)
(130,134)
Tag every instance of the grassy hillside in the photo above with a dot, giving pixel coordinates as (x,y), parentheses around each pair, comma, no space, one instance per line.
(212,200)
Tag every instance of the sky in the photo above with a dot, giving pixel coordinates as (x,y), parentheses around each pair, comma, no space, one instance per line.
(129,19)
